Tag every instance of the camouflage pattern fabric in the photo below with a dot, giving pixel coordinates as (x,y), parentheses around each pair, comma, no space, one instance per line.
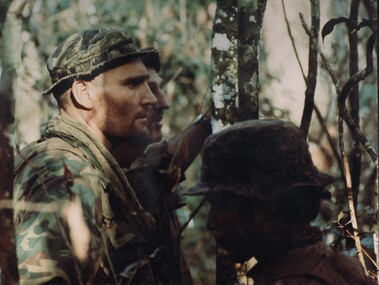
(86,54)
(49,174)
(41,235)
(80,136)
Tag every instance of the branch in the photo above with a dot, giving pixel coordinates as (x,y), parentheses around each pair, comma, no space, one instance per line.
(349,191)
(344,115)
(355,153)
(312,68)
(317,111)
(293,41)
(362,139)
(363,250)
(353,80)
(330,139)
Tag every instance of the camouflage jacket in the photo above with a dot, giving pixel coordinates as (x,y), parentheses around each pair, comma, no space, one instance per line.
(312,264)
(49,177)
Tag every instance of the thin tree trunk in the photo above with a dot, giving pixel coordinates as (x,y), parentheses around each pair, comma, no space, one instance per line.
(11,56)
(372,11)
(224,95)
(312,68)
(250,17)
(224,89)
(235,55)
(356,153)
(235,83)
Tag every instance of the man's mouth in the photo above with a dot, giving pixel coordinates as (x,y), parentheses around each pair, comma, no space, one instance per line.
(156,116)
(141,116)
(157,120)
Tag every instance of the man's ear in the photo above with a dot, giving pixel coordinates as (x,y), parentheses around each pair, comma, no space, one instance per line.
(82,95)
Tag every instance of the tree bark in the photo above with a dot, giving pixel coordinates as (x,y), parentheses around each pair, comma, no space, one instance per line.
(312,68)
(4,5)
(224,95)
(224,89)
(235,56)
(250,18)
(11,56)
(356,153)
(235,83)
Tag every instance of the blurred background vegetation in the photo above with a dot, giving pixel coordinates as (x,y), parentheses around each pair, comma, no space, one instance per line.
(181,30)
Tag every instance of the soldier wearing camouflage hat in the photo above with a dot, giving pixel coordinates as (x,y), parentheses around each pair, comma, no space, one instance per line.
(100,83)
(264,190)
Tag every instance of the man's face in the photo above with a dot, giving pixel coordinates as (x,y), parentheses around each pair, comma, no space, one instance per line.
(238,229)
(155,114)
(121,102)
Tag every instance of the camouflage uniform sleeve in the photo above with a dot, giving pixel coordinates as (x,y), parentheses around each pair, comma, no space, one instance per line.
(44,187)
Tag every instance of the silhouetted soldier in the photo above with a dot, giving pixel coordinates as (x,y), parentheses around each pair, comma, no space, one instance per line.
(264,190)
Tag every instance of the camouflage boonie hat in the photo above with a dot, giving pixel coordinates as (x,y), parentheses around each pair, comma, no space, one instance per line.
(258,158)
(86,54)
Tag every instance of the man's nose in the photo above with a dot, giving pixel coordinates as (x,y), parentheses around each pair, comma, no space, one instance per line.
(148,96)
(163,102)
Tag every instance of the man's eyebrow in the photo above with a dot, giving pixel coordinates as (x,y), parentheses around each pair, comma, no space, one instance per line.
(135,79)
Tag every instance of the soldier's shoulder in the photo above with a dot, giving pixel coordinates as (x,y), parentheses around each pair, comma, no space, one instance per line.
(316,263)
(341,268)
(49,159)
(55,147)
(50,151)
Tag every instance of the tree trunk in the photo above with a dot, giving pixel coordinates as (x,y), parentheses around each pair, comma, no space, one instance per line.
(356,153)
(235,55)
(11,56)
(312,68)
(250,18)
(224,89)
(235,83)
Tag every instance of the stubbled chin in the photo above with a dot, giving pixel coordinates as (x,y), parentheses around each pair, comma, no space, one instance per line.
(155,130)
(155,136)
(155,126)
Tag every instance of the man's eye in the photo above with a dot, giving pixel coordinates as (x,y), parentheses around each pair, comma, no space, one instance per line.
(134,83)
